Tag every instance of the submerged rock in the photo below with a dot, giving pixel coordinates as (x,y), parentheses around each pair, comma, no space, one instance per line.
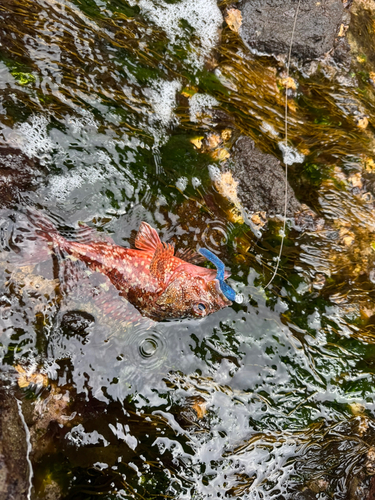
(14,467)
(267,26)
(261,186)
(77,323)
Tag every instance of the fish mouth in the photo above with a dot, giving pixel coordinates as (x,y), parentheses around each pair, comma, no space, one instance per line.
(219,291)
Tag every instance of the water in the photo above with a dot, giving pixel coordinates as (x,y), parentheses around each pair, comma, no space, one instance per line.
(259,400)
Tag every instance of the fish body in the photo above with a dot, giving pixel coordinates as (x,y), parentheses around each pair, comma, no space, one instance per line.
(159,283)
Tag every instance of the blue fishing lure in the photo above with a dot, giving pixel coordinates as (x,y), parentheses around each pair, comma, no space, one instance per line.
(225,288)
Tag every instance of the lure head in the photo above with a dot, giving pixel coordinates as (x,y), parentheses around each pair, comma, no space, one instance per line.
(227,291)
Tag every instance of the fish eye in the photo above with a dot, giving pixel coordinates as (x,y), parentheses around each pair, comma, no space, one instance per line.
(199,309)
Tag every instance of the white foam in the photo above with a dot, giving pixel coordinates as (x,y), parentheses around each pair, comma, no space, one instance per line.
(200,102)
(239,298)
(214,172)
(86,121)
(162,97)
(290,155)
(31,137)
(202,15)
(266,127)
(62,185)
(195,182)
(182,183)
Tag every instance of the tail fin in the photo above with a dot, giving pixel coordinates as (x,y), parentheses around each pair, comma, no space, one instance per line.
(45,228)
(43,225)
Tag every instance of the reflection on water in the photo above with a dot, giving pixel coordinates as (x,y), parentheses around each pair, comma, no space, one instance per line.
(124,112)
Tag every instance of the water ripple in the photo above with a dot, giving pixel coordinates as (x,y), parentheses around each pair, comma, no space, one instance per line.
(215,235)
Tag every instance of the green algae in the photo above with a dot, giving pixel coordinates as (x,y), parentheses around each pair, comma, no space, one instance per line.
(23,78)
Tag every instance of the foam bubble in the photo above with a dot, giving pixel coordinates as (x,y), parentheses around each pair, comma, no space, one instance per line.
(86,121)
(266,127)
(200,102)
(202,15)
(195,182)
(181,183)
(62,185)
(214,172)
(290,155)
(31,137)
(239,298)
(162,97)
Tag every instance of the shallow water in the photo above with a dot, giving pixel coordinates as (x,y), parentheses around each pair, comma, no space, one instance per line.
(255,401)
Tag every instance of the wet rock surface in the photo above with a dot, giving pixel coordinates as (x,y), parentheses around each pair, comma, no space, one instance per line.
(267,26)
(14,469)
(261,179)
(18,174)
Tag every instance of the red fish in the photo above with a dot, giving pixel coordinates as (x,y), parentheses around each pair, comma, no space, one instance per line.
(160,284)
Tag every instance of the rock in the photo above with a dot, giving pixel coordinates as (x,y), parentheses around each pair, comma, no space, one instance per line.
(77,323)
(14,468)
(18,174)
(261,177)
(341,53)
(267,26)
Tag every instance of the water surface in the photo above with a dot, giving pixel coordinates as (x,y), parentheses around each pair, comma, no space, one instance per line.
(256,401)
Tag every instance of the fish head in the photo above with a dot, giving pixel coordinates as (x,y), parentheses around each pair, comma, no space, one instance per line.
(192,292)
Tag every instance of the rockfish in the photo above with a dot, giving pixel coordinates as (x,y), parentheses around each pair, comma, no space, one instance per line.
(162,285)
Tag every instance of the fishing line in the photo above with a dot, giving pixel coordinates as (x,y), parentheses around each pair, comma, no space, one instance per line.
(29,448)
(286,147)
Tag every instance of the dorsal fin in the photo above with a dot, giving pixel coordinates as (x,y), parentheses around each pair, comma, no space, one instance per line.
(161,263)
(147,238)
(188,255)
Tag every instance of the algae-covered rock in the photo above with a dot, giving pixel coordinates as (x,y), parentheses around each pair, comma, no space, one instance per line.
(261,177)
(267,26)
